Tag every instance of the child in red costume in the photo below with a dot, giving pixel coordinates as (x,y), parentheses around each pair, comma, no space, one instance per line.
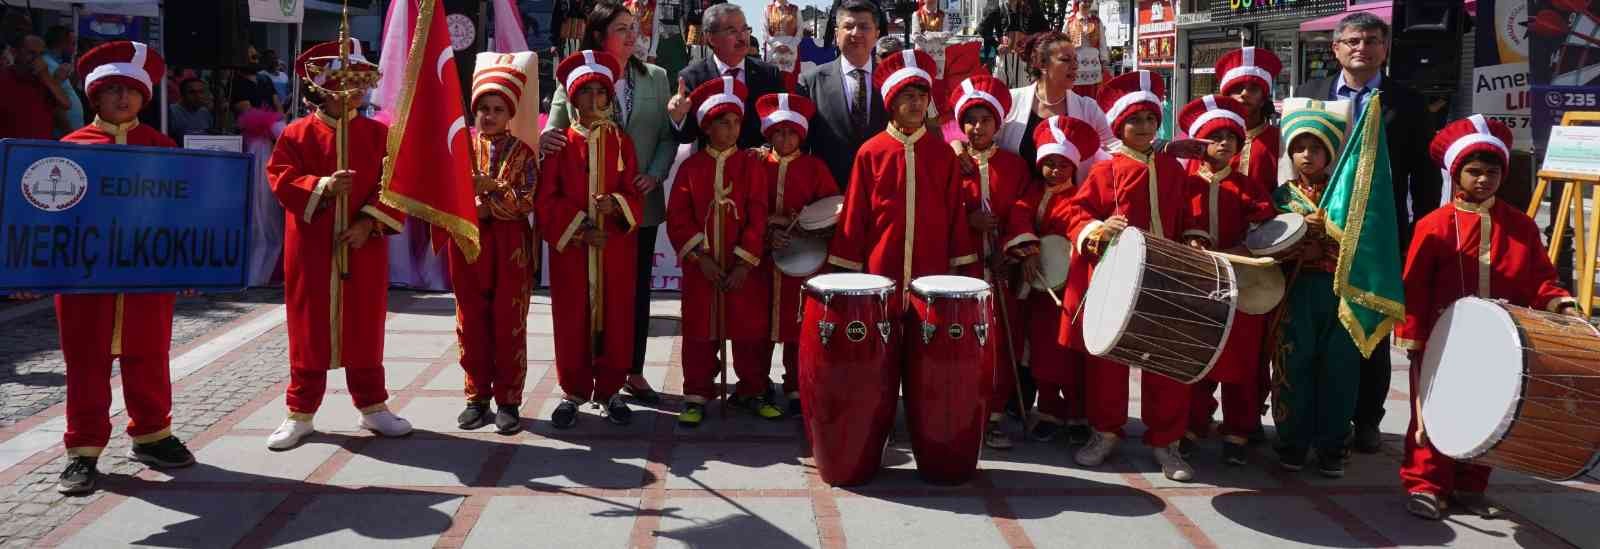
(1478,247)
(134,329)
(1067,149)
(1148,189)
(588,209)
(989,193)
(796,179)
(1221,215)
(717,219)
(306,178)
(492,293)
(1246,75)
(904,216)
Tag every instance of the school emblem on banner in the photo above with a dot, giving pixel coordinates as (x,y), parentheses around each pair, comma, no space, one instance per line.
(54,184)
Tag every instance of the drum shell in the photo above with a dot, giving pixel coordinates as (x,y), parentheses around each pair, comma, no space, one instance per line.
(1174,330)
(847,386)
(950,346)
(1556,432)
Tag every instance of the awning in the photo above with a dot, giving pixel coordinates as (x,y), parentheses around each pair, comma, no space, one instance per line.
(144,8)
(1384,11)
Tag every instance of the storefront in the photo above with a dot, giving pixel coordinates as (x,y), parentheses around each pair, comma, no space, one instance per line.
(1155,46)
(1213,27)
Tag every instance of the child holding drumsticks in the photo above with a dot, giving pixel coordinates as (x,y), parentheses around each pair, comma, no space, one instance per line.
(797,179)
(1067,148)
(1478,247)
(1148,189)
(1222,214)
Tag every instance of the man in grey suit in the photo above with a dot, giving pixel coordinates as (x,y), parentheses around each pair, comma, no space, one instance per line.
(1361,43)
(729,36)
(850,108)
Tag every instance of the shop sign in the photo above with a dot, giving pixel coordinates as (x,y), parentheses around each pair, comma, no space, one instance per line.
(1188,19)
(1155,17)
(1239,11)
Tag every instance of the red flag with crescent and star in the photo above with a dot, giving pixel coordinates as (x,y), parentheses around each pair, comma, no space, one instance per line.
(427,174)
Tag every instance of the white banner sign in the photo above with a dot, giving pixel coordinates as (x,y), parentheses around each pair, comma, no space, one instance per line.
(1501,92)
(1571,151)
(277,11)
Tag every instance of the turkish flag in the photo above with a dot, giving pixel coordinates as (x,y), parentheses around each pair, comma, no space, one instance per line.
(426,173)
(961,61)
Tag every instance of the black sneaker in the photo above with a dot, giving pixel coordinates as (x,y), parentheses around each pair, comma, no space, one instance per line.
(644,395)
(1368,440)
(507,420)
(79,476)
(1331,463)
(1079,434)
(617,411)
(794,407)
(1258,436)
(166,453)
(1292,459)
(1186,447)
(1044,431)
(475,415)
(1234,453)
(565,416)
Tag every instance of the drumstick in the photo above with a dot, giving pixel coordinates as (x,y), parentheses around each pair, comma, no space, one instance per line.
(1245,260)
(1053,297)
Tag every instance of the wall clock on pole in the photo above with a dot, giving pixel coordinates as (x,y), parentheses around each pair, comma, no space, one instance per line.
(462,31)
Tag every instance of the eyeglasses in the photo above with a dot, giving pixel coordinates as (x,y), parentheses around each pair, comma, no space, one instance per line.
(746,30)
(1353,43)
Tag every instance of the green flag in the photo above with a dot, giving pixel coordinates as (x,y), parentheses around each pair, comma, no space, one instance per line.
(1360,212)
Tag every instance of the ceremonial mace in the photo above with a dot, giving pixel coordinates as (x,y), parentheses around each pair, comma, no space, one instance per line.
(991,247)
(356,83)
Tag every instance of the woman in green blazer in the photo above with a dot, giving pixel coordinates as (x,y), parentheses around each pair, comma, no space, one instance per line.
(642,93)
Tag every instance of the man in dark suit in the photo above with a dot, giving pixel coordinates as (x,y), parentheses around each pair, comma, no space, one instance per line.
(729,37)
(851,110)
(1361,43)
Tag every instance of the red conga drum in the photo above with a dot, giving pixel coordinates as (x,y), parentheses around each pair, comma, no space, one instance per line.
(949,362)
(848,374)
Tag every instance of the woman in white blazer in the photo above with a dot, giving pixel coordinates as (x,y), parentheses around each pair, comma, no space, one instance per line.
(1054,66)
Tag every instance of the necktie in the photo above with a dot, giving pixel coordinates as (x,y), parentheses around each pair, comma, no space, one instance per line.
(858,106)
(732,71)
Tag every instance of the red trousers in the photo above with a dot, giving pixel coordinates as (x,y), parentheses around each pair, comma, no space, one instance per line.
(791,363)
(92,334)
(1058,371)
(307,386)
(1163,402)
(1424,469)
(752,360)
(492,311)
(1238,371)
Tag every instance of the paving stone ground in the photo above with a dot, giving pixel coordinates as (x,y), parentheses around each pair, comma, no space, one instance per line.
(735,482)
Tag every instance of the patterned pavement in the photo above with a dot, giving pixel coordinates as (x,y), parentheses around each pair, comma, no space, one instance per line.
(735,482)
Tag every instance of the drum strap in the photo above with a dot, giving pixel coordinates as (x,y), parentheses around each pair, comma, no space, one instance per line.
(982,158)
(910,143)
(1151,180)
(1485,225)
(1250,136)
(777,205)
(1215,188)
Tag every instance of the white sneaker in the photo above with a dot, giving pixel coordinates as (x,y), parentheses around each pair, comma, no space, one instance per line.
(1172,465)
(289,433)
(386,423)
(1097,450)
